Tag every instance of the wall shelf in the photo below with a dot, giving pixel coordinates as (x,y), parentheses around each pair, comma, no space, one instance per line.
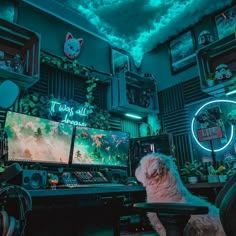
(208,58)
(130,92)
(16,40)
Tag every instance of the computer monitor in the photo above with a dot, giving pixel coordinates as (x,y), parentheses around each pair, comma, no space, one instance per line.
(37,140)
(100,147)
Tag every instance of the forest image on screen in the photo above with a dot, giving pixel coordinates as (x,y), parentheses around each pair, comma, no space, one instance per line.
(34,139)
(100,147)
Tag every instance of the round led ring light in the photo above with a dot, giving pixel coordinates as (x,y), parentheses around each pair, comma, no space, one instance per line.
(193,120)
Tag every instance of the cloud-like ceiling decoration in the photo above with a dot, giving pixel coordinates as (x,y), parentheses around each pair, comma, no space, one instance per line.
(138,26)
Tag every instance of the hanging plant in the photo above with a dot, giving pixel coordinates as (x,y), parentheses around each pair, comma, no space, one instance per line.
(97,117)
(65,64)
(35,104)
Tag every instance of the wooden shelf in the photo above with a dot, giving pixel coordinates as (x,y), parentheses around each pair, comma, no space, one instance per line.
(23,81)
(16,40)
(214,54)
(130,85)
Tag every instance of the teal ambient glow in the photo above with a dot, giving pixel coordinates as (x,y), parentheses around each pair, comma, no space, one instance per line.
(231,92)
(139,26)
(133,116)
(193,121)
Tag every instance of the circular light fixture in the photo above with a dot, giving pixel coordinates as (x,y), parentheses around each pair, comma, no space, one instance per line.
(193,120)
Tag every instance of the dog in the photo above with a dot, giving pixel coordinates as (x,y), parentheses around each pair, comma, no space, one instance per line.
(159,175)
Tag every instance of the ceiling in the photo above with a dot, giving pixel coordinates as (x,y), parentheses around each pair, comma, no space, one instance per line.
(136,26)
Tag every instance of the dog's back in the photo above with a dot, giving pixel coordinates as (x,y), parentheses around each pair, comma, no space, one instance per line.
(159,175)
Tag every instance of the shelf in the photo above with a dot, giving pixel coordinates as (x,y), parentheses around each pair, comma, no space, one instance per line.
(131,92)
(16,41)
(209,57)
(219,89)
(23,81)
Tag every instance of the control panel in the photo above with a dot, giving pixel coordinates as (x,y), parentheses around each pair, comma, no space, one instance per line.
(73,179)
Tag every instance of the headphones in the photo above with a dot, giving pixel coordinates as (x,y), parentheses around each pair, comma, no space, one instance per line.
(12,225)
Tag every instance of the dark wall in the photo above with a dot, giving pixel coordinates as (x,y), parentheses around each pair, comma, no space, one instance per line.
(94,52)
(158,61)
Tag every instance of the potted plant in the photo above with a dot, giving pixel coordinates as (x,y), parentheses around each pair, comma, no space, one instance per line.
(192,171)
(217,175)
(210,80)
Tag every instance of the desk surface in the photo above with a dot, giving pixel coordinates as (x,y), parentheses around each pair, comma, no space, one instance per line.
(172,208)
(84,191)
(205,185)
(107,189)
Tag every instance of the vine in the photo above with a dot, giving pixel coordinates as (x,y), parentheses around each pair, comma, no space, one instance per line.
(37,105)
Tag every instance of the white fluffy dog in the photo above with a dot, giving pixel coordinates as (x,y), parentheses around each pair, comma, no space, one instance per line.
(159,175)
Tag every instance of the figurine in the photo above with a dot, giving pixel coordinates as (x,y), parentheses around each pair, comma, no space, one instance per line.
(222,72)
(18,64)
(204,38)
(2,60)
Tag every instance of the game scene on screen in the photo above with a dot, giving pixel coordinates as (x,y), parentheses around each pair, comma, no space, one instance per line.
(33,139)
(100,147)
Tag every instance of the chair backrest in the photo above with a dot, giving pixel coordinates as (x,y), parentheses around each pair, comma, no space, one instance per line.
(228,211)
(220,196)
(9,91)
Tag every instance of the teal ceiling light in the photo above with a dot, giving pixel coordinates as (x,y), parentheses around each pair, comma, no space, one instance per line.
(133,116)
(156,21)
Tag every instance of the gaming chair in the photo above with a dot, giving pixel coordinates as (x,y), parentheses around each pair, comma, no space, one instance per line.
(13,224)
(226,201)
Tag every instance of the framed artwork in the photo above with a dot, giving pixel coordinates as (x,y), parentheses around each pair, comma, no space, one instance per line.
(182,52)
(120,61)
(8,10)
(226,22)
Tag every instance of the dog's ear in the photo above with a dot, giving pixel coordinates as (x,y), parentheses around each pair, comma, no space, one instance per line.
(152,169)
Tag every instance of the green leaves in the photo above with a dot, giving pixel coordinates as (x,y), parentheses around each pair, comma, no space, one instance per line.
(192,169)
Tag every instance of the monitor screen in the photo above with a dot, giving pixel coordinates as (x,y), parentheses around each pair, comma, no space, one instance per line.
(34,139)
(100,147)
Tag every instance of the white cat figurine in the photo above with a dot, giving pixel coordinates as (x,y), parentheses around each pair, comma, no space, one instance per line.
(72,46)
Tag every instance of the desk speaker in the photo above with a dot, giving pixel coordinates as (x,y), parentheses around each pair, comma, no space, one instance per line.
(117,176)
(34,179)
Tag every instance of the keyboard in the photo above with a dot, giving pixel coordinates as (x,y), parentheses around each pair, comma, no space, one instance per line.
(93,185)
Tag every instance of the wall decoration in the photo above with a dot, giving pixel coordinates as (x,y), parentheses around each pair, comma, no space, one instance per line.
(211,117)
(182,52)
(222,72)
(72,46)
(204,38)
(8,10)
(69,113)
(226,22)
(120,62)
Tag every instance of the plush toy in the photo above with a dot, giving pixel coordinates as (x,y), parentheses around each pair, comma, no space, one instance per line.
(72,46)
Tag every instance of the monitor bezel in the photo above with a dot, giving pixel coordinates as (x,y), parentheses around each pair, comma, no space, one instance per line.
(100,166)
(38,163)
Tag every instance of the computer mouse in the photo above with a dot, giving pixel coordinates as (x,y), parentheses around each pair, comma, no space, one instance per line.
(132,183)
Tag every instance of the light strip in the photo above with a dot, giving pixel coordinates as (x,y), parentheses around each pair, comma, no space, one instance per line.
(133,116)
(193,120)
(231,92)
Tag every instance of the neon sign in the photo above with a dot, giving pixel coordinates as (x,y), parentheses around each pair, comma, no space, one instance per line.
(70,114)
(194,120)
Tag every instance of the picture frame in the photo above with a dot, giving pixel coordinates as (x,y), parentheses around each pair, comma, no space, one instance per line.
(182,52)
(226,22)
(120,61)
(9,10)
